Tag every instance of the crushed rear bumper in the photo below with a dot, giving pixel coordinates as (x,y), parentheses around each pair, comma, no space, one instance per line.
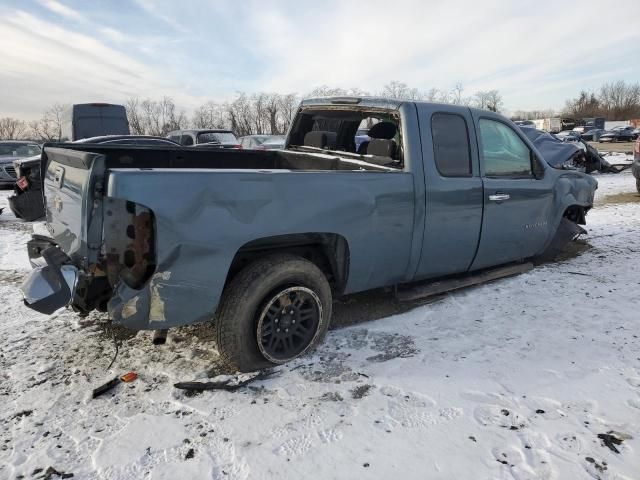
(51,284)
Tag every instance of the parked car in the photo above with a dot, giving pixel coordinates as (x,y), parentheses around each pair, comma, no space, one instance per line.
(86,120)
(525,123)
(635,166)
(27,202)
(592,135)
(593,123)
(209,137)
(11,150)
(627,129)
(262,142)
(261,241)
(276,142)
(621,135)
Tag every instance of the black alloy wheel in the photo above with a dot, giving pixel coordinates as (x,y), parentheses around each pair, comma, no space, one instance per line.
(289,323)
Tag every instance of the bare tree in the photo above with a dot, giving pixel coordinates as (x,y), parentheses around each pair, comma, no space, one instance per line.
(172,118)
(55,115)
(456,94)
(436,95)
(49,127)
(619,100)
(327,91)
(613,101)
(400,91)
(272,107)
(240,115)
(480,99)
(132,106)
(210,115)
(494,101)
(585,105)
(259,114)
(12,128)
(154,117)
(289,104)
(488,100)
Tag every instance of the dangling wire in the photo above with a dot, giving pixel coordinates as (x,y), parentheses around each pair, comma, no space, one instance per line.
(116,344)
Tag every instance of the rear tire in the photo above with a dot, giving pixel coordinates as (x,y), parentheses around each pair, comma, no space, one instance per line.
(285,289)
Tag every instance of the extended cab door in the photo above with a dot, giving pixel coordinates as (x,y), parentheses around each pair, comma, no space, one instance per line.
(453,190)
(517,195)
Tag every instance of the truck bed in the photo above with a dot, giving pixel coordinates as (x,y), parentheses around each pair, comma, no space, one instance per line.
(123,156)
(204,206)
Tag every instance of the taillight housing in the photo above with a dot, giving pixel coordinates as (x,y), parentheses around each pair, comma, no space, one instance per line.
(129,242)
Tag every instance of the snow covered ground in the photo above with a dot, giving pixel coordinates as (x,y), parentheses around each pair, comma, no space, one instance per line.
(513,379)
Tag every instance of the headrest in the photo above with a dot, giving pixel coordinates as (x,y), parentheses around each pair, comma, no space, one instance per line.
(381,147)
(320,139)
(386,130)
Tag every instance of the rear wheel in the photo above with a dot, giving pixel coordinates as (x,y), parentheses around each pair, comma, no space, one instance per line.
(273,311)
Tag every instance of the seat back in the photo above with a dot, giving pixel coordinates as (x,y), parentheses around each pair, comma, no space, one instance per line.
(320,139)
(381,147)
(382,133)
(385,130)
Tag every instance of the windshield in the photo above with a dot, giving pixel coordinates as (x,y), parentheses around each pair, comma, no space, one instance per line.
(218,137)
(19,149)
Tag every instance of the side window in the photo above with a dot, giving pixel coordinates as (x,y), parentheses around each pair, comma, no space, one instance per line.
(186,139)
(451,145)
(175,138)
(503,151)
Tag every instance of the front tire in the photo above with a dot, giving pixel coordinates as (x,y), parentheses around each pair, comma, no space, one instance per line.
(273,311)
(567,231)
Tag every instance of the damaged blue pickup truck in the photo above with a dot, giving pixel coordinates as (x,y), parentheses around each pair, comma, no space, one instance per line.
(259,242)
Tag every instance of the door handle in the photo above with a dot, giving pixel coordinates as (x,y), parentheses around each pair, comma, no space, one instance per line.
(499,197)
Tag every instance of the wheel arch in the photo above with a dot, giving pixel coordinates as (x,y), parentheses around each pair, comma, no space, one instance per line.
(328,251)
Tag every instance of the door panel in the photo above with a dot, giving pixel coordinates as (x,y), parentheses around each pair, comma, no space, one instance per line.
(517,206)
(453,199)
(513,229)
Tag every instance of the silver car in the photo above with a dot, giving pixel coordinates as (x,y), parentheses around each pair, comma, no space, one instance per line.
(11,150)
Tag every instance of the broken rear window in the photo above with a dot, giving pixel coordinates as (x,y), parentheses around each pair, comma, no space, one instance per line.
(372,133)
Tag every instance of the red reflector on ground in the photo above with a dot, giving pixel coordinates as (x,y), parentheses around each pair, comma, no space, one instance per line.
(129,377)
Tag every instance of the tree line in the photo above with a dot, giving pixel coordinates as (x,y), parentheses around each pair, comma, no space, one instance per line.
(612,101)
(271,113)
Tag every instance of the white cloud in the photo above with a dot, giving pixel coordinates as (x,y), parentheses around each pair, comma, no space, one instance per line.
(155,10)
(536,52)
(61,9)
(528,50)
(47,63)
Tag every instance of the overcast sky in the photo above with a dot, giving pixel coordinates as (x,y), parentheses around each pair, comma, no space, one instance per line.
(537,53)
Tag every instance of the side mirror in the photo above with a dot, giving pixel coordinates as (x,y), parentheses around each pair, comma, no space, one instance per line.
(537,166)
